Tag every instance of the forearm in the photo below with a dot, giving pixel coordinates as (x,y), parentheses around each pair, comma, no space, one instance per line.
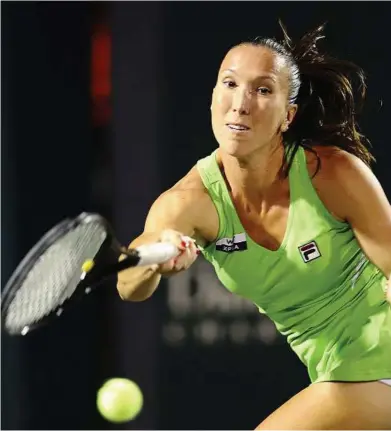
(141,282)
(146,281)
(172,218)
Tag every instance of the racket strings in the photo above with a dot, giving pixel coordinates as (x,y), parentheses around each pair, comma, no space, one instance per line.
(55,276)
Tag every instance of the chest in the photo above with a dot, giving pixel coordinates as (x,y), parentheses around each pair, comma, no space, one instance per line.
(313,261)
(291,244)
(266,223)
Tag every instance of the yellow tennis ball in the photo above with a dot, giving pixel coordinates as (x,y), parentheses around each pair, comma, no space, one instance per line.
(119,400)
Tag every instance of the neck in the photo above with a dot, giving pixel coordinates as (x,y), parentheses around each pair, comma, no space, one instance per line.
(253,177)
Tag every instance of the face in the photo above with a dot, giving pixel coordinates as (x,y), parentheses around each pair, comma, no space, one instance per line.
(250,106)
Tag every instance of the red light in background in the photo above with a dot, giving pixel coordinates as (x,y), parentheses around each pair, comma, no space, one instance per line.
(101,75)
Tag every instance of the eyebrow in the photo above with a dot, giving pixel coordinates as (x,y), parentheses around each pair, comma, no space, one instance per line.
(271,77)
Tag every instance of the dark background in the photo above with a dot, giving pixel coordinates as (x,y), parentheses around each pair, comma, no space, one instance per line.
(105,105)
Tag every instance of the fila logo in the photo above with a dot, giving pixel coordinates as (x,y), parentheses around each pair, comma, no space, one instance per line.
(229,245)
(309,251)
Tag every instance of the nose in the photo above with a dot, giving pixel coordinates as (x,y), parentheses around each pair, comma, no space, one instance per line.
(241,102)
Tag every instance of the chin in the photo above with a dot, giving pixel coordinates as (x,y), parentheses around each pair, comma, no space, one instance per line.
(237,149)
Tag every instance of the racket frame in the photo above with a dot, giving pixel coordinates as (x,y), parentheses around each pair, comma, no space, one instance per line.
(47,240)
(106,264)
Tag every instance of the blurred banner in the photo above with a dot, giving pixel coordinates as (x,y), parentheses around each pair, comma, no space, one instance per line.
(201,312)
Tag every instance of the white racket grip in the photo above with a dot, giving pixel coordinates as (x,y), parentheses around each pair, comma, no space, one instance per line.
(160,252)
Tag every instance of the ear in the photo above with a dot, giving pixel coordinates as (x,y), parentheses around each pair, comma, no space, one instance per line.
(290,115)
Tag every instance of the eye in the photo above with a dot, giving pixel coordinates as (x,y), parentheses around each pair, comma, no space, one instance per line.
(263,90)
(229,83)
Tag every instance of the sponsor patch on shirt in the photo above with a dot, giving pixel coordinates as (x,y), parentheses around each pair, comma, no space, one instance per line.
(228,245)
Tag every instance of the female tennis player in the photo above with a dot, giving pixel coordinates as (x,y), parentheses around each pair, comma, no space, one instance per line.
(290,215)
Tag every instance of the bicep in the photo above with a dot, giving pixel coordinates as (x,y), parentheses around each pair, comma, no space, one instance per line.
(171,210)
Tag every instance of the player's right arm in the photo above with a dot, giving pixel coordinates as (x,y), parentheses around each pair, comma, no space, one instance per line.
(184,210)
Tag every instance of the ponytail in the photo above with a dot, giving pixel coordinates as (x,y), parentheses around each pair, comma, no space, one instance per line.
(329,93)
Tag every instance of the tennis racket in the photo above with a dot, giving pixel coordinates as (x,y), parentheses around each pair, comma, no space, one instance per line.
(69,261)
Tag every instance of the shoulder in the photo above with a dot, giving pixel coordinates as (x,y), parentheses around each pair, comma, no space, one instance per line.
(189,200)
(339,178)
(335,163)
(188,190)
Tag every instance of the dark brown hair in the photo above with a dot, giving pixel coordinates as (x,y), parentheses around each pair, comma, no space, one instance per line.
(329,92)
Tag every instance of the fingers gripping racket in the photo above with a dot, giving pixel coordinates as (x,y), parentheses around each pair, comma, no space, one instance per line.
(68,262)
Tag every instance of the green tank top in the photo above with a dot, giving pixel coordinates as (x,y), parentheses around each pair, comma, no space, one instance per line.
(319,288)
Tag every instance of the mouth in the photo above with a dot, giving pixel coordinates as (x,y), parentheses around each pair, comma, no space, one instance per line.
(238,127)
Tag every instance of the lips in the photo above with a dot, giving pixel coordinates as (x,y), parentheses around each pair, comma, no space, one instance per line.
(238,127)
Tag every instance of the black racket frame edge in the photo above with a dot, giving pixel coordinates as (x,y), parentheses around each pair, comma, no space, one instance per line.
(110,250)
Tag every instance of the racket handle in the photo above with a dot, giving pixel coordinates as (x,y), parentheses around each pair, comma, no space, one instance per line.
(143,255)
(152,254)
